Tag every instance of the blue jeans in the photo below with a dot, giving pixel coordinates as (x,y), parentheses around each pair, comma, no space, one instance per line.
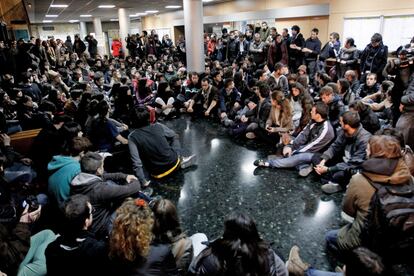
(331,238)
(292,161)
(314,272)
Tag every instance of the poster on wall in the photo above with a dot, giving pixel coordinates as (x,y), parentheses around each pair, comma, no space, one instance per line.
(21,34)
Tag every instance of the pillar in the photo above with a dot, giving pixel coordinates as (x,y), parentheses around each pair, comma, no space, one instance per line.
(82,30)
(194,31)
(124,22)
(97,25)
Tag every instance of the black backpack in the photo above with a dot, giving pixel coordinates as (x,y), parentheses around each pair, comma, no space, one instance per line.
(389,227)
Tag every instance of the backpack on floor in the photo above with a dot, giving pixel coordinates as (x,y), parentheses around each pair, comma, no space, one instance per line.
(389,228)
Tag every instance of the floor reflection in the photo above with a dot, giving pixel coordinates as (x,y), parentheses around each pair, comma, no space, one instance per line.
(288,209)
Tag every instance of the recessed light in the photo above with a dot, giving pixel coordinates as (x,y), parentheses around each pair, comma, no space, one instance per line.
(58,6)
(85,15)
(51,15)
(151,11)
(73,21)
(47,21)
(106,6)
(172,7)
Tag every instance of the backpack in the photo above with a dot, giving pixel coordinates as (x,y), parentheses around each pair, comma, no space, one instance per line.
(389,227)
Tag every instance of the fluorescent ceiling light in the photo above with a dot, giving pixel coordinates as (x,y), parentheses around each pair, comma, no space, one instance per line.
(207,1)
(73,21)
(137,14)
(114,19)
(106,6)
(85,15)
(47,21)
(59,6)
(151,11)
(51,15)
(172,7)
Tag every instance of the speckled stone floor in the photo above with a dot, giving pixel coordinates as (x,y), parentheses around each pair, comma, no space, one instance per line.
(288,209)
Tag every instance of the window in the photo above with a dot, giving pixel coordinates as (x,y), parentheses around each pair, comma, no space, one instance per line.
(361,30)
(398,31)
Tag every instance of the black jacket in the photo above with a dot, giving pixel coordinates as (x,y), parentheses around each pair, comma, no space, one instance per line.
(374,59)
(299,41)
(369,120)
(82,255)
(336,108)
(364,90)
(159,262)
(315,46)
(315,137)
(105,196)
(260,113)
(408,99)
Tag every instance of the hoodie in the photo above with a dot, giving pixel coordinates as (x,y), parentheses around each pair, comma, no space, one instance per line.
(62,170)
(105,195)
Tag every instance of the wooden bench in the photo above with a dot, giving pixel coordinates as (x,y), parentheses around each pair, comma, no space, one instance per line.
(22,141)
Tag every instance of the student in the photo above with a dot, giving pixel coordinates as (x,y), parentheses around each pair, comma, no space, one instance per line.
(154,147)
(240,251)
(316,136)
(336,106)
(346,153)
(77,251)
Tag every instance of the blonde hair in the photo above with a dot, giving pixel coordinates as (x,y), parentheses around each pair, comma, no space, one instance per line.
(132,231)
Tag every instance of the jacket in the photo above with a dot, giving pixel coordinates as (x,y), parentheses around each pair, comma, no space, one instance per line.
(336,108)
(408,98)
(299,41)
(152,147)
(256,50)
(104,195)
(315,46)
(14,245)
(260,113)
(159,262)
(62,170)
(82,255)
(369,120)
(360,191)
(264,33)
(227,100)
(280,84)
(374,59)
(354,148)
(365,90)
(314,137)
(277,53)
(350,57)
(116,48)
(206,263)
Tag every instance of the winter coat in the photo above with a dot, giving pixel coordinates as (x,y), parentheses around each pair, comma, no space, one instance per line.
(159,262)
(365,90)
(408,98)
(336,108)
(348,55)
(81,255)
(314,138)
(206,263)
(278,52)
(348,97)
(299,41)
(352,149)
(62,171)
(104,195)
(281,84)
(260,113)
(374,59)
(257,51)
(116,48)
(264,33)
(14,245)
(360,191)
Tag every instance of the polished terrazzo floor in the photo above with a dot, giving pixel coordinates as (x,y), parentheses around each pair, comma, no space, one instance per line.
(288,209)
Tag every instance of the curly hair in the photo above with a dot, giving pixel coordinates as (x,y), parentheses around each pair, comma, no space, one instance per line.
(132,231)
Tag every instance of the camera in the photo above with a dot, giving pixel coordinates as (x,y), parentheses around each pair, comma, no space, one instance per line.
(32,202)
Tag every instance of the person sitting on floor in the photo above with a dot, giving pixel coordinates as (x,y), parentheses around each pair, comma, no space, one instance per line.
(316,136)
(155,147)
(350,144)
(77,245)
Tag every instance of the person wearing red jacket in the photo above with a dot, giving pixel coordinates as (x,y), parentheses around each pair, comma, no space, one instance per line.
(116,47)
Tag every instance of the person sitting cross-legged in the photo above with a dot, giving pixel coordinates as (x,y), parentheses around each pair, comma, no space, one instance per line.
(154,147)
(316,136)
(350,146)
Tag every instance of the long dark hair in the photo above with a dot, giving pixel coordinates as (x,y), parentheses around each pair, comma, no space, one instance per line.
(166,223)
(241,250)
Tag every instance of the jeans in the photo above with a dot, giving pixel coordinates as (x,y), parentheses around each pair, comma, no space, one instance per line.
(34,264)
(314,272)
(292,161)
(331,238)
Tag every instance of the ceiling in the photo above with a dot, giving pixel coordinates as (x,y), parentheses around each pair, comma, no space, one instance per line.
(38,9)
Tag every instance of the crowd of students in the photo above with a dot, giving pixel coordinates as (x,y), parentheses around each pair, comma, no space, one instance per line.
(80,201)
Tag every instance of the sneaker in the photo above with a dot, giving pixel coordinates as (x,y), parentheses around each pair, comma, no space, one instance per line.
(260,163)
(250,135)
(331,188)
(188,161)
(295,265)
(148,191)
(305,171)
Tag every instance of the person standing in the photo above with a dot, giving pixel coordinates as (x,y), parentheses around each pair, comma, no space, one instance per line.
(374,58)
(312,50)
(296,43)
